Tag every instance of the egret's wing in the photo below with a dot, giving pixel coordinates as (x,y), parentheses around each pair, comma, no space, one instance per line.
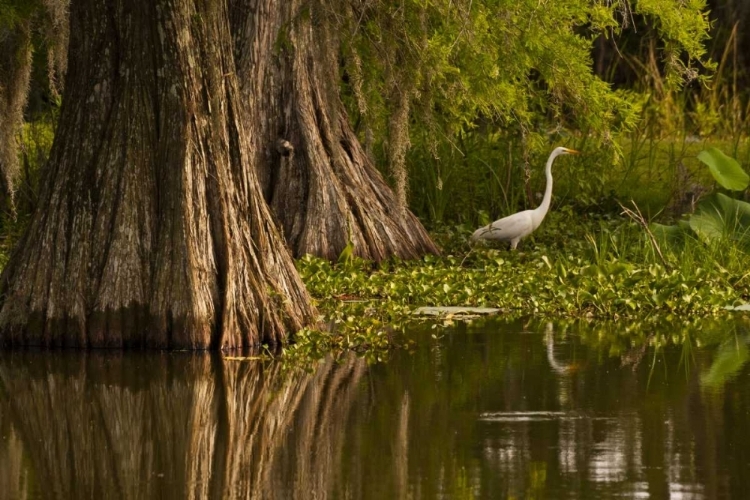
(506,229)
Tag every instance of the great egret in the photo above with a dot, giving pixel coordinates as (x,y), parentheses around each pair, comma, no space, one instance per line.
(515,227)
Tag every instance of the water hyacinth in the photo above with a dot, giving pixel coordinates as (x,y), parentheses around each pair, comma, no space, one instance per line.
(603,268)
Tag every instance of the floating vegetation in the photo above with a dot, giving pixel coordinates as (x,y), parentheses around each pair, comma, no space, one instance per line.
(586,267)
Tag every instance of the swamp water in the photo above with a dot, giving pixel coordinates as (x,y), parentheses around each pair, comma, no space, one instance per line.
(484,410)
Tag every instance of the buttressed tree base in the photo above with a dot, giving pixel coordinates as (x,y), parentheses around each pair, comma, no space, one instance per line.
(323,189)
(151,228)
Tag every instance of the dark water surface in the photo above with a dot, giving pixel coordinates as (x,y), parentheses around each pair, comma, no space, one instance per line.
(487,410)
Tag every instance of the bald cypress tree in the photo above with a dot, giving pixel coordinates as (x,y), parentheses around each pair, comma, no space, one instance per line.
(321,185)
(151,228)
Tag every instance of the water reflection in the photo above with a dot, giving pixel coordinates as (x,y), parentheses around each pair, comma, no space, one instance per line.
(486,411)
(103,425)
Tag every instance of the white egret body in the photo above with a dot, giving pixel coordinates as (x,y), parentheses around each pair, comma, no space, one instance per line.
(514,228)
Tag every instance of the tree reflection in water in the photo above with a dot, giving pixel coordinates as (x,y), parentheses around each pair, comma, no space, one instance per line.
(486,411)
(105,425)
(14,479)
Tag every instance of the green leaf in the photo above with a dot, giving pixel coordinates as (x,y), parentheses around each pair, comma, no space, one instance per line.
(725,169)
(718,216)
(670,235)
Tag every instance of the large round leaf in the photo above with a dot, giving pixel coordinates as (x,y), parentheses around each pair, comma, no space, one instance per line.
(720,216)
(725,169)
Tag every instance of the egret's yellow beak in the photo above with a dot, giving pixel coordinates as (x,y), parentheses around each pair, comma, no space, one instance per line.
(572,151)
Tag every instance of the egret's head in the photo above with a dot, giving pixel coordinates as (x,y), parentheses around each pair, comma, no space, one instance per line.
(558,151)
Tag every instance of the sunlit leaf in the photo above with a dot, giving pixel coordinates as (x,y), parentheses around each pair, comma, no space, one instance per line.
(725,169)
(742,307)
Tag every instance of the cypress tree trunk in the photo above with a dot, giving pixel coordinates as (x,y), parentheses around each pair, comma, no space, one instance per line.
(322,187)
(151,229)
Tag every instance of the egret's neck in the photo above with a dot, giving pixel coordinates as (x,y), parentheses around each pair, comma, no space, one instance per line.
(542,209)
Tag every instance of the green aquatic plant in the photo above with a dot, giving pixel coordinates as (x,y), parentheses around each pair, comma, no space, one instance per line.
(718,216)
(725,169)
(591,268)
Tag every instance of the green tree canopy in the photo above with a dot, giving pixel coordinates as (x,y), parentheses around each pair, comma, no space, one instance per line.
(520,63)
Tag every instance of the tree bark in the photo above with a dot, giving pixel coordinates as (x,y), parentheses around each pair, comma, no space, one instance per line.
(322,187)
(151,228)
